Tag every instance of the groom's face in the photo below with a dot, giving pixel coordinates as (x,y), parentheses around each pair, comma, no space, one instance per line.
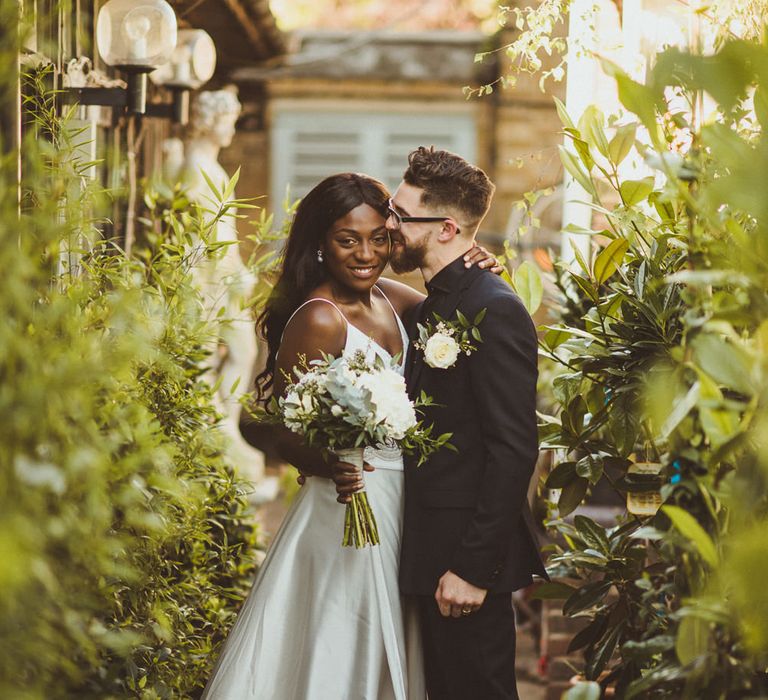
(410,240)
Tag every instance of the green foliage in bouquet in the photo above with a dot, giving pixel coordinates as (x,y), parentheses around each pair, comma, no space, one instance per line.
(662,344)
(124,540)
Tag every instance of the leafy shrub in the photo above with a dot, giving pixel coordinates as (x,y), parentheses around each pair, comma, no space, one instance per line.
(124,537)
(665,363)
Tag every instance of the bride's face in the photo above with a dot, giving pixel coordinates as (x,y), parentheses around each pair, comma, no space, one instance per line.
(356,249)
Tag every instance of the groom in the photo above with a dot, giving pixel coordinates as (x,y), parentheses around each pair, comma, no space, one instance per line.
(466,538)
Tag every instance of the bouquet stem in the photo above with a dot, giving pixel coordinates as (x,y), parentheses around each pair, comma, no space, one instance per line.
(360,527)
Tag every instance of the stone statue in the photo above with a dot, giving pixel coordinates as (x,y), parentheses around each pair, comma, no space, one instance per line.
(225,281)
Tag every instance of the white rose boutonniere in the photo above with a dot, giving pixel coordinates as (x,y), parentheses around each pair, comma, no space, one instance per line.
(443,341)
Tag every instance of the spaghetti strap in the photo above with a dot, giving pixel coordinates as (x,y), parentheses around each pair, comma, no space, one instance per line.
(381,291)
(309,301)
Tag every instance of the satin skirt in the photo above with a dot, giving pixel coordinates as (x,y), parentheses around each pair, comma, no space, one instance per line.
(326,622)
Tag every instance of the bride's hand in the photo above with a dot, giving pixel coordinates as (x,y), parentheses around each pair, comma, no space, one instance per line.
(482,258)
(348,479)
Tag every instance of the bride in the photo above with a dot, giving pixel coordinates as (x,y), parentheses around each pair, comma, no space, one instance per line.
(325,622)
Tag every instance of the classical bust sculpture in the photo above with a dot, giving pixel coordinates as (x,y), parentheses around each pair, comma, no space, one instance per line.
(224,280)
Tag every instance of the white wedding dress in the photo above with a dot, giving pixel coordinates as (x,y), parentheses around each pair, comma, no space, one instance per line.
(326,622)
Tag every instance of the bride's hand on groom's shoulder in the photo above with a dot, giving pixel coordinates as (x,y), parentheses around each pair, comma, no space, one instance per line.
(478,255)
(348,479)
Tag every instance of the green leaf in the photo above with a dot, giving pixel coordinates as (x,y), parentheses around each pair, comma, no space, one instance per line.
(590,467)
(692,639)
(562,475)
(574,168)
(622,142)
(230,187)
(592,533)
(211,186)
(690,528)
(563,114)
(586,286)
(555,337)
(586,597)
(590,634)
(637,98)
(553,590)
(528,285)
(680,409)
(634,191)
(571,496)
(602,652)
(609,259)
(591,126)
(724,361)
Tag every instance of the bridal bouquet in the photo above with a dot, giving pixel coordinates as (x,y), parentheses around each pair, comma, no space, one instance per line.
(346,404)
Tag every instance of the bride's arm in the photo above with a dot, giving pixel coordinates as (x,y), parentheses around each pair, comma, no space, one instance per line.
(316,329)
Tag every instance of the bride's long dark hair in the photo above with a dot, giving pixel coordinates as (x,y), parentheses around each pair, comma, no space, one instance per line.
(326,203)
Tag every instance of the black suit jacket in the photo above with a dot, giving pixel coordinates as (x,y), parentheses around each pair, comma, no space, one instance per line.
(467,510)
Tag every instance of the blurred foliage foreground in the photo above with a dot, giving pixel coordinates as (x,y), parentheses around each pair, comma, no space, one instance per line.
(124,552)
(662,341)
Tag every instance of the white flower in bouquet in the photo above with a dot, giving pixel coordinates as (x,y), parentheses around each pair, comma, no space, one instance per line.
(391,406)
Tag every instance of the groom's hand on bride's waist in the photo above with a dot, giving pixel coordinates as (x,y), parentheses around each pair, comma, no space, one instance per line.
(348,479)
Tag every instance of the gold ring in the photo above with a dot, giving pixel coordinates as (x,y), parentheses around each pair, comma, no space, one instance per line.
(466,611)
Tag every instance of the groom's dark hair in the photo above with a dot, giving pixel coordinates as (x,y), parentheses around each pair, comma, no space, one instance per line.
(449,181)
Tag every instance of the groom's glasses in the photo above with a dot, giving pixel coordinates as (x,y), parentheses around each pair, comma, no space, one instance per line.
(400,219)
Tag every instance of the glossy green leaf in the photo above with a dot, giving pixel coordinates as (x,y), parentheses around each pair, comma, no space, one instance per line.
(572,495)
(609,259)
(553,590)
(622,142)
(692,639)
(635,191)
(690,528)
(586,597)
(573,166)
(528,285)
(592,127)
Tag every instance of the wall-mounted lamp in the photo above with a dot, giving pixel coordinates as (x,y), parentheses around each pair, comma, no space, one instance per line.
(192,65)
(135,36)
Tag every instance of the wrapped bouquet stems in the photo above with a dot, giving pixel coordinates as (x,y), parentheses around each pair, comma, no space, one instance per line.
(359,522)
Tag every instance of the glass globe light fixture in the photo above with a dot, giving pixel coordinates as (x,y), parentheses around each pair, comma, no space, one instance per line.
(136,36)
(191,66)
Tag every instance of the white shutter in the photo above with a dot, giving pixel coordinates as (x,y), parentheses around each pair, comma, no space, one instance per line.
(308,145)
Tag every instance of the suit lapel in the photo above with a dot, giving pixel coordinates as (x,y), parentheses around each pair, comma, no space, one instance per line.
(444,307)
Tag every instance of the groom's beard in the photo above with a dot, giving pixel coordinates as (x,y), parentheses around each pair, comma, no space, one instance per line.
(408,257)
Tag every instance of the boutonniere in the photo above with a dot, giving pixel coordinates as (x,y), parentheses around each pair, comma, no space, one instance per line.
(443,341)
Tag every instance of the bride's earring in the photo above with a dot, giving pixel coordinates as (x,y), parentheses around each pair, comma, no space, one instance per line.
(319,255)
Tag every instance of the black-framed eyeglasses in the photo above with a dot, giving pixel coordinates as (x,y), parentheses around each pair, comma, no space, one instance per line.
(400,219)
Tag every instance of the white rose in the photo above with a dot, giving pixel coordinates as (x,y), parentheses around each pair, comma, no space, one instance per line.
(441,351)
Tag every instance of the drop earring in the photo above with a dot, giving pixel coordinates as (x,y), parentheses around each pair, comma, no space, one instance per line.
(319,255)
